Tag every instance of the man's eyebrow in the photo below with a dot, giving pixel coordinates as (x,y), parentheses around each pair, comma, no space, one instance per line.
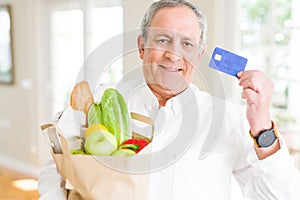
(188,39)
(162,35)
(170,36)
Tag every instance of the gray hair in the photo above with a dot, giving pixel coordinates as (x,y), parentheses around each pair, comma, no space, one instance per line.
(155,6)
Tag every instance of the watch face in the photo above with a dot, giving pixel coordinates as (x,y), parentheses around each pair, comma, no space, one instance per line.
(266,138)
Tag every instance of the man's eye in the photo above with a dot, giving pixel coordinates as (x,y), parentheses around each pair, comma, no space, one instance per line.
(163,41)
(188,44)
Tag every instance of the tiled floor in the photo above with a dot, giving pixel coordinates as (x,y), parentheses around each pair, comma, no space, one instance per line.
(9,192)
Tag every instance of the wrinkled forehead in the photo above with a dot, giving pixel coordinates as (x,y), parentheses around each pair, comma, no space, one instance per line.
(154,33)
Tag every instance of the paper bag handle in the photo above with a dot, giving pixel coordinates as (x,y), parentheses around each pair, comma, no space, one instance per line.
(147,120)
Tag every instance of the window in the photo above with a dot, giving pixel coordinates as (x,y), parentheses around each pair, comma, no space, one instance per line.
(76,29)
(269,32)
(6,58)
(66,53)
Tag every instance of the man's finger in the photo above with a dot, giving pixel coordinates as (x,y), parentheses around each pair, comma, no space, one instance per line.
(250,96)
(250,84)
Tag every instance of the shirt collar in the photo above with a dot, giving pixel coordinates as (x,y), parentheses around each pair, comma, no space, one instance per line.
(174,104)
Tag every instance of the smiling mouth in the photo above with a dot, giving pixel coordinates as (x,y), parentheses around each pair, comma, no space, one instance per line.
(170,69)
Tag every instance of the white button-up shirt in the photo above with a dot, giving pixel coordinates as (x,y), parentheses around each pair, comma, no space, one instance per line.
(199,143)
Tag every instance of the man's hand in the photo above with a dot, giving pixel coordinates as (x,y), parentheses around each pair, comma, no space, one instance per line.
(257,90)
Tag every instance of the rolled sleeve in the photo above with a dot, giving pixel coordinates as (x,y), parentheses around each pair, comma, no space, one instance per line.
(50,182)
(273,165)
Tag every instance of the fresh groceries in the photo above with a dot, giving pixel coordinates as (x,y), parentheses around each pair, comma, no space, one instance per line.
(108,131)
(101,143)
(123,152)
(96,157)
(93,128)
(134,144)
(112,112)
(77,151)
(81,97)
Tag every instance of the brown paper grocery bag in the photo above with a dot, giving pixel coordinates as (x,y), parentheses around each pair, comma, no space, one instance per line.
(93,180)
(106,177)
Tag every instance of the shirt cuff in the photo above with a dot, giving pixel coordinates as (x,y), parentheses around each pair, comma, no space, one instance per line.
(274,165)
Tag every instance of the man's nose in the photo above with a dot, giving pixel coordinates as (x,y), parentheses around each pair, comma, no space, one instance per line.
(173,53)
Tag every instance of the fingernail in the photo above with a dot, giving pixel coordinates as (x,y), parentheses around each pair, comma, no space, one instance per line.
(239,74)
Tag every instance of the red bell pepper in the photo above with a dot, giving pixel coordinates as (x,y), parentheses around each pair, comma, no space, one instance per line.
(134,144)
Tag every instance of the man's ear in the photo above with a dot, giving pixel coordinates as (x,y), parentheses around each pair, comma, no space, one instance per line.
(202,51)
(140,43)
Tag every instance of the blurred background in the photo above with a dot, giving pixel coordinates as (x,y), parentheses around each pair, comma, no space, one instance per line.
(44,43)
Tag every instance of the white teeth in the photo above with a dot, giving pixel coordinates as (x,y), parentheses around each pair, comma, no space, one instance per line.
(170,69)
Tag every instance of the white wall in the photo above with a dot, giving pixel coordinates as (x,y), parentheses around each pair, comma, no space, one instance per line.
(21,104)
(132,19)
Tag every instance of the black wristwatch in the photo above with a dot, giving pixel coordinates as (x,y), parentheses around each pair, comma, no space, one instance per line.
(266,137)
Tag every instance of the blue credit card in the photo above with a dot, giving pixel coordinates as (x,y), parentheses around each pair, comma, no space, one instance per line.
(227,62)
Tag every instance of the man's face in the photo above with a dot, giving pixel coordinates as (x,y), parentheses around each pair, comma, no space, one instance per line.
(171,51)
